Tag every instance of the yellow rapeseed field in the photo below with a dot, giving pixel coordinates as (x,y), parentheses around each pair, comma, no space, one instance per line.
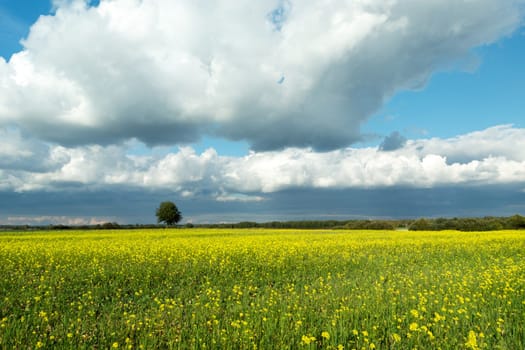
(262,289)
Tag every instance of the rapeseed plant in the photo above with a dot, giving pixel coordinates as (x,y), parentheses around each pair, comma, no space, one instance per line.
(264,289)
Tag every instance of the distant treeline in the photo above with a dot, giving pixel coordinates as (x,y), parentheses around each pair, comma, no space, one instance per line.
(318,224)
(423,224)
(469,224)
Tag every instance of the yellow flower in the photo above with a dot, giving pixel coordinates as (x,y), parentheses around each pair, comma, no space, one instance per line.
(305,339)
(438,317)
(413,326)
(472,342)
(396,338)
(325,335)
(115,345)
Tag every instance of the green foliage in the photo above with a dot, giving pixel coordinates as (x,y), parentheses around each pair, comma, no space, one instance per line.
(487,223)
(370,225)
(110,226)
(313,224)
(516,222)
(169,213)
(421,225)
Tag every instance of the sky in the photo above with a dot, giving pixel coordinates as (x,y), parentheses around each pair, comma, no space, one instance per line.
(260,111)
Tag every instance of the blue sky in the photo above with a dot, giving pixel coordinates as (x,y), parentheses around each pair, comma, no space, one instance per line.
(489,94)
(17,18)
(142,101)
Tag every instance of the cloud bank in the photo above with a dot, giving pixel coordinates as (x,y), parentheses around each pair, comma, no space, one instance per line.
(301,73)
(488,157)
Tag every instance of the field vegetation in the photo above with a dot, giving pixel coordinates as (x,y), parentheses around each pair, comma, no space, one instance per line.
(488,223)
(262,289)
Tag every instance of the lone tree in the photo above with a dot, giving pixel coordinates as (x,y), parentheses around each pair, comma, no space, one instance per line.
(169,213)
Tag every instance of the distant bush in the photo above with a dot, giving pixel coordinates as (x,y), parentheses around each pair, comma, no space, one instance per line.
(487,223)
(370,225)
(516,222)
(421,225)
(110,226)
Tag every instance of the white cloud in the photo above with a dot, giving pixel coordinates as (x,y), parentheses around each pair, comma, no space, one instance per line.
(485,158)
(502,140)
(238,197)
(165,71)
(53,220)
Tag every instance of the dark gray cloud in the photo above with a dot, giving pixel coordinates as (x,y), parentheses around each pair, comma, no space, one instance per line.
(132,206)
(393,141)
(19,152)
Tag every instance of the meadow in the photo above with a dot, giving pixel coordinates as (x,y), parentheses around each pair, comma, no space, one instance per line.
(262,289)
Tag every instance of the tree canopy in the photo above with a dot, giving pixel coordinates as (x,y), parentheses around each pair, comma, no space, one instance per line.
(169,213)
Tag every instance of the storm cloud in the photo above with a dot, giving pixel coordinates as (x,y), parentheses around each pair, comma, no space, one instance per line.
(131,206)
(100,107)
(393,141)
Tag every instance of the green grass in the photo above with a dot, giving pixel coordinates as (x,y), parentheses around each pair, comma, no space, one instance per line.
(266,289)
